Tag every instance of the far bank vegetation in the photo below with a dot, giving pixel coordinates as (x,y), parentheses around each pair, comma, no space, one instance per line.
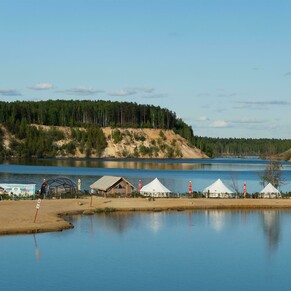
(78,129)
(67,128)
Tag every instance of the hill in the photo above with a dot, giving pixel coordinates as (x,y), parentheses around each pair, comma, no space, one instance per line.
(149,143)
(75,128)
(285,156)
(111,143)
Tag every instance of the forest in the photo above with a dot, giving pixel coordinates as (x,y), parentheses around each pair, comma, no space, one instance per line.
(241,147)
(81,113)
(31,141)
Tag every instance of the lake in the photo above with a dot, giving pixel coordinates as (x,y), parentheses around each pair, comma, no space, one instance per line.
(192,250)
(175,174)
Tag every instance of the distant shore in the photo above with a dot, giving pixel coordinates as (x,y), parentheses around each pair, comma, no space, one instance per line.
(17,217)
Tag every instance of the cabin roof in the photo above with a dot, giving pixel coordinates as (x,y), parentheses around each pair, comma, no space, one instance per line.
(106,182)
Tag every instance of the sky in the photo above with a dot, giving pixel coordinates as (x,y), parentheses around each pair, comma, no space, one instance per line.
(223,66)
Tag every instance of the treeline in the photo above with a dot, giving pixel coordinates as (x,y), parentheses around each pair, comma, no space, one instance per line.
(91,116)
(81,113)
(262,147)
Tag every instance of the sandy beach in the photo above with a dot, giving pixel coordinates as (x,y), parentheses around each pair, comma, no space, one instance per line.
(17,217)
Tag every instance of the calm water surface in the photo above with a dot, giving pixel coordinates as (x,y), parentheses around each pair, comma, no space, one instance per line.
(174,174)
(203,250)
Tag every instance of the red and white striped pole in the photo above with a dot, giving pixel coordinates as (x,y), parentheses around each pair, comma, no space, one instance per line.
(245,189)
(190,190)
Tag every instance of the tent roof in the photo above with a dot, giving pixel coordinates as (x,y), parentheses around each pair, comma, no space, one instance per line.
(270,189)
(217,187)
(154,186)
(106,182)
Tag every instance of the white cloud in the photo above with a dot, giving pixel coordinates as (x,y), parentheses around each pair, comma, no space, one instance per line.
(201,118)
(248,121)
(134,90)
(141,89)
(219,123)
(226,95)
(42,86)
(122,92)
(80,91)
(155,96)
(9,92)
(270,102)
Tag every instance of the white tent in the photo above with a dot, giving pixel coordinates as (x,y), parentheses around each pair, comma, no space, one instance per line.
(217,189)
(155,189)
(270,192)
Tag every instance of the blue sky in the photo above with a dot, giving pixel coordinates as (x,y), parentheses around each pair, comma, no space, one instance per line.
(223,66)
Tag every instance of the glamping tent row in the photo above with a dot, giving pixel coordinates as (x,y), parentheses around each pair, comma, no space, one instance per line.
(118,186)
(219,190)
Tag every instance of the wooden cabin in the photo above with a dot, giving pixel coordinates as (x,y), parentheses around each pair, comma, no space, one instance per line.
(112,186)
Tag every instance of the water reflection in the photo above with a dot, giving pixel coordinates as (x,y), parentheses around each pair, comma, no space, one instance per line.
(155,222)
(216,219)
(108,222)
(151,164)
(37,250)
(154,251)
(271,228)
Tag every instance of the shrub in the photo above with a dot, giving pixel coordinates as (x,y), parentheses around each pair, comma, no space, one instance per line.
(117,136)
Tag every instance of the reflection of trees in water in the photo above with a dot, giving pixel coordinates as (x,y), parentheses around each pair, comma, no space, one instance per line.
(270,222)
(121,222)
(271,227)
(134,164)
(117,222)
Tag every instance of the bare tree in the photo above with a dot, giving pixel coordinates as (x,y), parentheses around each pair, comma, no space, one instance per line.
(233,184)
(273,174)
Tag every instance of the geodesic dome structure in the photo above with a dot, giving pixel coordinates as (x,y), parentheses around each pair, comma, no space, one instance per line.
(57,186)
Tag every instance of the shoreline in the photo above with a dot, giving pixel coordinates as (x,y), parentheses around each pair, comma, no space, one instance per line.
(17,217)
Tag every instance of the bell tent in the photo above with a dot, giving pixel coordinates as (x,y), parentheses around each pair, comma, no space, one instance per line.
(270,192)
(217,190)
(155,189)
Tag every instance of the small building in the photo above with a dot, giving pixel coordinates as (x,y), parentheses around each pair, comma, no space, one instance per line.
(112,186)
(17,189)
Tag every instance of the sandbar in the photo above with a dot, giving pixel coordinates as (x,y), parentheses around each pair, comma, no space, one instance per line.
(17,217)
